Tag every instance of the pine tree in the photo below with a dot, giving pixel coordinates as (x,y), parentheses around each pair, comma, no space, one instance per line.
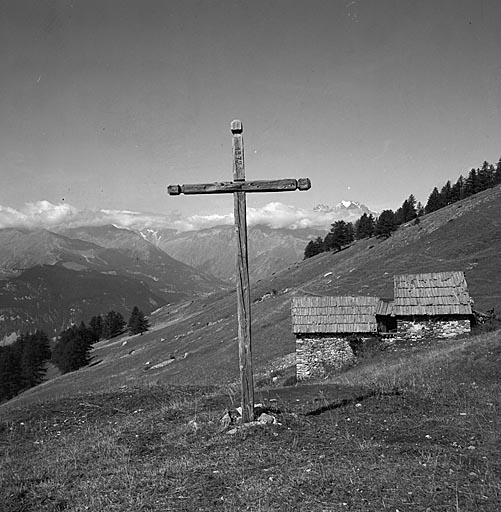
(385,224)
(113,324)
(434,201)
(446,194)
(34,355)
(72,351)
(341,234)
(407,211)
(457,190)
(314,247)
(350,233)
(137,324)
(471,183)
(96,326)
(364,226)
(11,381)
(485,177)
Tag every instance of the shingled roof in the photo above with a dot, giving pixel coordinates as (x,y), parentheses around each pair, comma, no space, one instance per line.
(439,293)
(334,314)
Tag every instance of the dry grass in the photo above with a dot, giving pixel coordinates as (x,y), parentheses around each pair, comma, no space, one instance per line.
(429,440)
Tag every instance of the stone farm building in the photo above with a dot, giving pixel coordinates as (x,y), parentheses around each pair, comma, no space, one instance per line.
(435,305)
(323,327)
(425,306)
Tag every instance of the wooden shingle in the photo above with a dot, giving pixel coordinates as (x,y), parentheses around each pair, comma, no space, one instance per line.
(438,293)
(334,314)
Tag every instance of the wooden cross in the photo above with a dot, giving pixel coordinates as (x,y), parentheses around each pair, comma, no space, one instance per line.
(238,187)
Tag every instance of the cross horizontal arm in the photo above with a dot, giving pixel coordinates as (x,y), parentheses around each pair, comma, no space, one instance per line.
(227,187)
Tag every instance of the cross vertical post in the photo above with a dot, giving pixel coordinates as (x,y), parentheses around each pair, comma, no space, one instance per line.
(239,187)
(242,277)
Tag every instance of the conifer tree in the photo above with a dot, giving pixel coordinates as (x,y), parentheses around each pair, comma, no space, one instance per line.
(11,381)
(96,326)
(457,190)
(72,351)
(113,324)
(471,183)
(137,324)
(434,201)
(35,353)
(407,211)
(446,194)
(385,224)
(350,233)
(341,234)
(314,247)
(364,226)
(485,176)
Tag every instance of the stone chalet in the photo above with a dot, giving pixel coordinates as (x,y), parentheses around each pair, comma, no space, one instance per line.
(323,327)
(425,306)
(430,306)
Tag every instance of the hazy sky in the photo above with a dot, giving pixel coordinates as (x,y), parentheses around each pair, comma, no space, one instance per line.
(103,103)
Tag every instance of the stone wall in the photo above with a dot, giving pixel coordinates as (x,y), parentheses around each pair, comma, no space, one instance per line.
(316,354)
(426,328)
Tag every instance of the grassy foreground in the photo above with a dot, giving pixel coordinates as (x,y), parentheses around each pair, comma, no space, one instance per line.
(428,439)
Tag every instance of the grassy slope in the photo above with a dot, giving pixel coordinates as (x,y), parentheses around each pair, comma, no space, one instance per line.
(464,236)
(201,334)
(428,439)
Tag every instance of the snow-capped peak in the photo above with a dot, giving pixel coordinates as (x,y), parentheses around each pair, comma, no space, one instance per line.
(348,204)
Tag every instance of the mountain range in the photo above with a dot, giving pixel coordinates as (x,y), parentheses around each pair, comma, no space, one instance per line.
(348,211)
(50,280)
(212,250)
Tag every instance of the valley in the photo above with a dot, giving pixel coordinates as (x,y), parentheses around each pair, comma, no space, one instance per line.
(51,280)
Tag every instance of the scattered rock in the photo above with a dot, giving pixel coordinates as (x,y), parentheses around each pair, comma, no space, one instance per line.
(162,364)
(266,419)
(226,420)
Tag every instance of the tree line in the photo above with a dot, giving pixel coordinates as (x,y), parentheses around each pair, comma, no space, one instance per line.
(23,364)
(344,233)
(477,180)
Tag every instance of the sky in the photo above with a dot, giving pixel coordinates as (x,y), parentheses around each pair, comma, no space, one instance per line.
(104,103)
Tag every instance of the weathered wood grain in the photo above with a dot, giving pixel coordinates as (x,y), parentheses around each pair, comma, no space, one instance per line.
(243,285)
(230,187)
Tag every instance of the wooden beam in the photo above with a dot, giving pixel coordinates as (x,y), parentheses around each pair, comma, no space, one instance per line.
(243,286)
(227,187)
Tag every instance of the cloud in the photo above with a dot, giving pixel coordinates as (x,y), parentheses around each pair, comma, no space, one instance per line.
(43,214)
(274,215)
(36,215)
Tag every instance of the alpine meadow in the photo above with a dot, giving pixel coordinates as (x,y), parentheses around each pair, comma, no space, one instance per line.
(250,256)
